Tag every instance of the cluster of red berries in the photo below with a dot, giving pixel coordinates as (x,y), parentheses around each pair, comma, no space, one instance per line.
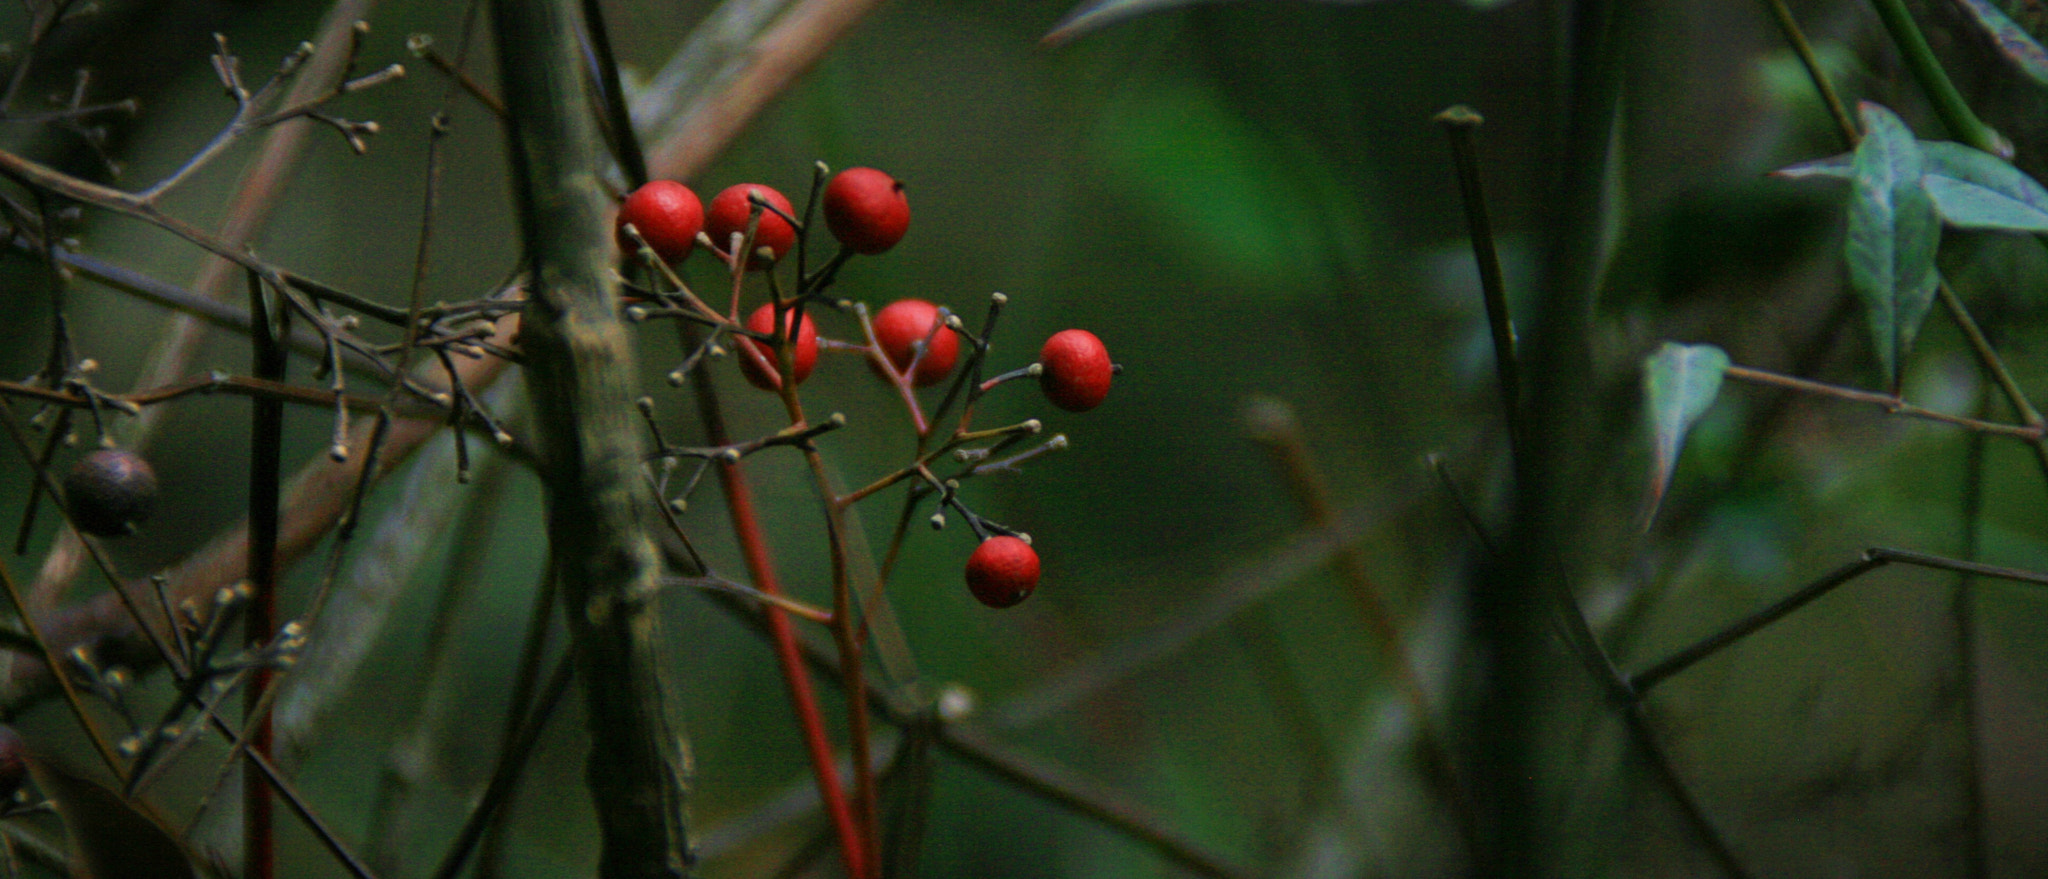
(867,213)
(864,208)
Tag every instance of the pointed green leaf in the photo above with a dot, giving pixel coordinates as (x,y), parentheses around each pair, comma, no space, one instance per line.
(1977,190)
(2013,41)
(1833,167)
(1893,234)
(1679,383)
(1971,189)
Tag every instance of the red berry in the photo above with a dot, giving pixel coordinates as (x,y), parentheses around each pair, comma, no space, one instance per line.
(900,325)
(1076,370)
(866,210)
(730,211)
(1002,571)
(803,357)
(109,492)
(667,214)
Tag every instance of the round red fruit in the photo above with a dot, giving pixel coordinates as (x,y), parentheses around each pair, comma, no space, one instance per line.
(110,492)
(668,215)
(730,210)
(1002,571)
(900,325)
(1075,370)
(803,356)
(866,210)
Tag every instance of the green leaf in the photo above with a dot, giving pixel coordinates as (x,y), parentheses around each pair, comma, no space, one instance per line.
(2013,41)
(1977,190)
(1893,234)
(1971,189)
(1834,167)
(1679,383)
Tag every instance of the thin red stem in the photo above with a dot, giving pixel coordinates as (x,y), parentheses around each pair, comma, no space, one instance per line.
(844,633)
(746,526)
(265,470)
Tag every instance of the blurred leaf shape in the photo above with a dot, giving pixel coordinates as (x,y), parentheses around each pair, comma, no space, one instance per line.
(1098,14)
(114,838)
(1784,80)
(1893,234)
(1253,203)
(2012,41)
(1679,383)
(1971,189)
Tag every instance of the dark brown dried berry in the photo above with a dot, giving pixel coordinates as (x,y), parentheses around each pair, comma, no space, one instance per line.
(110,492)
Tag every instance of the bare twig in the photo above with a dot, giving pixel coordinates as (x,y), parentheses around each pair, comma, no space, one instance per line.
(179,341)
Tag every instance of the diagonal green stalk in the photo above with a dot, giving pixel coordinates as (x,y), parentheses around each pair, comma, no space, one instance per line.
(580,372)
(1963,611)
(1941,91)
(1460,123)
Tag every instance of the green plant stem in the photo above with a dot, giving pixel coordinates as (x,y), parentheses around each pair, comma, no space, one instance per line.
(1647,679)
(1963,611)
(1645,738)
(1460,123)
(581,375)
(618,121)
(1941,91)
(1535,568)
(1829,98)
(1518,592)
(1989,360)
(1642,682)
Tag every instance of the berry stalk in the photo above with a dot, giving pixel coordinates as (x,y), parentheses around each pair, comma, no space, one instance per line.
(746,526)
